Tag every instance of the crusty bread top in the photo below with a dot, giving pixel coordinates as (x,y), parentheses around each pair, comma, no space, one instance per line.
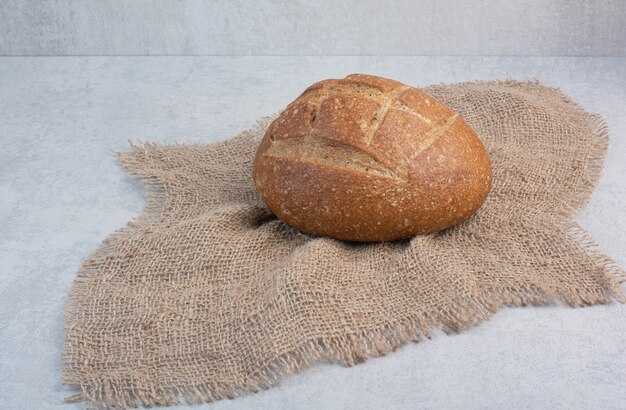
(362,122)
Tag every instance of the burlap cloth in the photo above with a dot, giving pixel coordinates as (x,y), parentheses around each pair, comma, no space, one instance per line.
(207,295)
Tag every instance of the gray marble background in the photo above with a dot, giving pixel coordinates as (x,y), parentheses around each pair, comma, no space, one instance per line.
(313,27)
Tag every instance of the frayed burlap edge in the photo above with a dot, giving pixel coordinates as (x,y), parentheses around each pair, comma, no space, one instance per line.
(351,349)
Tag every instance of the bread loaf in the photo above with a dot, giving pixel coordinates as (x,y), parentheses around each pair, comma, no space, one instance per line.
(366,158)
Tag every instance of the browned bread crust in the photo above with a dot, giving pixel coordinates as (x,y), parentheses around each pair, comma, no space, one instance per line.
(366,158)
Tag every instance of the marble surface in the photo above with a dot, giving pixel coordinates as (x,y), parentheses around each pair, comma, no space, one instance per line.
(62,193)
(321,27)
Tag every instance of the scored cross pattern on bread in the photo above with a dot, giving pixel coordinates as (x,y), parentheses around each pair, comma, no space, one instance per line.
(353,112)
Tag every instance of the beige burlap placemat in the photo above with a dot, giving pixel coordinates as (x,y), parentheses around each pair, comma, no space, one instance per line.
(207,295)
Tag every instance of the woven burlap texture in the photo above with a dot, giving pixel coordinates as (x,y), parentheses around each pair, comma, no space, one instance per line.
(208,295)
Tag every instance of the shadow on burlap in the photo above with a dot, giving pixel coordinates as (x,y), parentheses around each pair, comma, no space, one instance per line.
(207,295)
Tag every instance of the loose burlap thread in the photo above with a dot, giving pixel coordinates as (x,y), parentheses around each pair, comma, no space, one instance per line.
(207,295)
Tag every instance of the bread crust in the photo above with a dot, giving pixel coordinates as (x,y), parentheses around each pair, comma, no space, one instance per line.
(366,158)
